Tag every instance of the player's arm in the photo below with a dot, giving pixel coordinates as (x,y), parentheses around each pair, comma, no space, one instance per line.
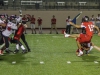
(25,25)
(3,24)
(77,26)
(97,28)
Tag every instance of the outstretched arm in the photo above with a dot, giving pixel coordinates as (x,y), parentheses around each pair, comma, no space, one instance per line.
(3,24)
(77,26)
(97,29)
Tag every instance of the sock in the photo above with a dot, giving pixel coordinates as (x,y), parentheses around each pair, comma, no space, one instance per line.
(17,46)
(2,45)
(89,44)
(80,52)
(22,47)
(0,51)
(7,49)
(67,35)
(90,49)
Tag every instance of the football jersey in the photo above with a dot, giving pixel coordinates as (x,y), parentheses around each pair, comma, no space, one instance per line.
(8,31)
(19,32)
(1,21)
(33,20)
(88,27)
(53,21)
(1,29)
(92,20)
(68,20)
(19,19)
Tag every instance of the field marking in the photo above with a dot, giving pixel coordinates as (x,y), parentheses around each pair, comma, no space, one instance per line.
(57,37)
(96,62)
(41,62)
(68,62)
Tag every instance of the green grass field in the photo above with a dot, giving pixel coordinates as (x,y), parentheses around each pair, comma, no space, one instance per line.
(55,51)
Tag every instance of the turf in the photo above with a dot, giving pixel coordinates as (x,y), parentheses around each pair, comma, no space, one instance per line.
(54,50)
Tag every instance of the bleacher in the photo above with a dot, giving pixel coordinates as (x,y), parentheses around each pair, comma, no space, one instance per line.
(31,2)
(53,4)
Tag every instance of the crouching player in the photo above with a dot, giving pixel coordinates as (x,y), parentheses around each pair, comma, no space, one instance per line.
(84,38)
(85,46)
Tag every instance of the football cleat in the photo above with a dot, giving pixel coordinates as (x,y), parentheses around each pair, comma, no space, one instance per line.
(8,51)
(24,51)
(1,52)
(16,51)
(66,35)
(29,50)
(80,53)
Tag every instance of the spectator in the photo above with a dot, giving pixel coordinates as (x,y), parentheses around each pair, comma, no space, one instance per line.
(32,22)
(98,21)
(92,19)
(68,26)
(53,25)
(24,20)
(39,21)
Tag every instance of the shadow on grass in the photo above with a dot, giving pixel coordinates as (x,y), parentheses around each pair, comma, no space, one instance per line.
(89,58)
(18,58)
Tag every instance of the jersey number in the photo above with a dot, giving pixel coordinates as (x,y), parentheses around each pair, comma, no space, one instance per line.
(90,27)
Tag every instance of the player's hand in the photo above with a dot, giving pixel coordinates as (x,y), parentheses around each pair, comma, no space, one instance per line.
(71,23)
(99,34)
(25,25)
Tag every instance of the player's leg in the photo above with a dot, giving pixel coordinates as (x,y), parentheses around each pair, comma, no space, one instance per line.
(90,45)
(2,48)
(6,44)
(51,29)
(25,31)
(80,48)
(25,42)
(39,29)
(32,28)
(55,28)
(69,28)
(18,43)
(77,52)
(2,44)
(66,29)
(71,36)
(79,40)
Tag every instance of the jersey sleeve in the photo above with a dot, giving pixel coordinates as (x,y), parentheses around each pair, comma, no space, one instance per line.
(14,26)
(82,25)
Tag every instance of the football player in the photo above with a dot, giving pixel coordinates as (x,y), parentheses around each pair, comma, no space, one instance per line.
(84,38)
(2,25)
(7,32)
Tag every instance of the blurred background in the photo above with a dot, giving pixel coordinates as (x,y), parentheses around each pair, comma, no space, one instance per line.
(50,4)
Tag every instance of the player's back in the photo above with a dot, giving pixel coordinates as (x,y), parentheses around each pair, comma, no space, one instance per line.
(88,27)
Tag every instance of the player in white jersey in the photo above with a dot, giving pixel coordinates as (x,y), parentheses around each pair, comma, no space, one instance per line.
(19,19)
(7,32)
(17,42)
(2,45)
